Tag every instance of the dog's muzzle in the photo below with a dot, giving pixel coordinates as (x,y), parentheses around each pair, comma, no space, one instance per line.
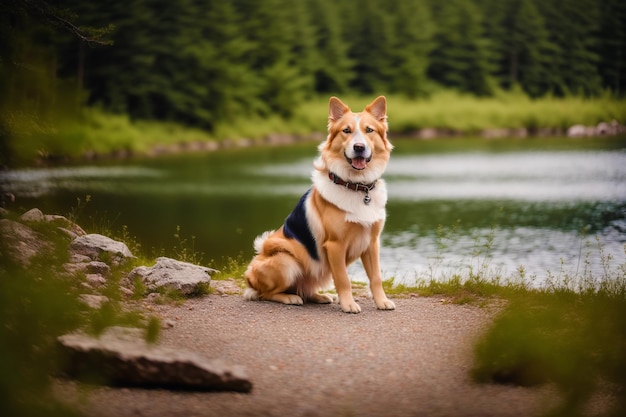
(359,156)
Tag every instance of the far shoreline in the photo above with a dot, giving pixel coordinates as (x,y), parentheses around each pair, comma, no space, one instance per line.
(603,129)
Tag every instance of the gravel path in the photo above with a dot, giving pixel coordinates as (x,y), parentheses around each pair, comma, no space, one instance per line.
(314,360)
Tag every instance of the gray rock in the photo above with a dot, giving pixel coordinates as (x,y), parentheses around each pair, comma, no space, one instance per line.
(577,131)
(120,357)
(172,274)
(93,301)
(95,280)
(101,248)
(77,258)
(21,243)
(70,228)
(89,267)
(33,215)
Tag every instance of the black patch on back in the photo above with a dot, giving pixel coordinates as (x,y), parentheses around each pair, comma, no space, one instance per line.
(297,227)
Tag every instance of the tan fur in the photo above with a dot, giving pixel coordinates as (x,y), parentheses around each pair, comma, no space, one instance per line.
(344,227)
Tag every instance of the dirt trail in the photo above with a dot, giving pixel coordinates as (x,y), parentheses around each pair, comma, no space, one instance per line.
(314,360)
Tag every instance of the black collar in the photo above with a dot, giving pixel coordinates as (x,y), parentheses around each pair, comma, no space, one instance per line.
(356,186)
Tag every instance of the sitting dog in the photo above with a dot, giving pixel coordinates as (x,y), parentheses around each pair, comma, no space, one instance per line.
(338,220)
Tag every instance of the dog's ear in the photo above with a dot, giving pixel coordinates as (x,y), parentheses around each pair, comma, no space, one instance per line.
(378,108)
(336,109)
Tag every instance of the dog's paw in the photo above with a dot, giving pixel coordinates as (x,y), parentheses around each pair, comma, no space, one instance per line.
(350,307)
(385,304)
(321,298)
(292,299)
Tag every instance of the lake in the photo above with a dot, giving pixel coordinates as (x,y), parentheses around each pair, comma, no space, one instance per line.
(537,207)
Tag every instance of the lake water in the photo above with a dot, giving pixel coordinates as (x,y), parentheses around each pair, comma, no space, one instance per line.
(552,207)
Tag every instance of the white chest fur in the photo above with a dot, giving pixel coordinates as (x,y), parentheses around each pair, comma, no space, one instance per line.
(352,201)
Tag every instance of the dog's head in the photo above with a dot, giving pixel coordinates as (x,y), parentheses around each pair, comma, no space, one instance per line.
(357,148)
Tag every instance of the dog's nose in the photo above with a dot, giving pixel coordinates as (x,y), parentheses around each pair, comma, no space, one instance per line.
(359,147)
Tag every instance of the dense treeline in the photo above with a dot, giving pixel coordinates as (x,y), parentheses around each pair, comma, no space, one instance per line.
(199,61)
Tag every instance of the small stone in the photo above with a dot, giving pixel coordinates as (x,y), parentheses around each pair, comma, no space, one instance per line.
(95,280)
(93,301)
(101,248)
(92,267)
(76,258)
(127,292)
(32,215)
(66,225)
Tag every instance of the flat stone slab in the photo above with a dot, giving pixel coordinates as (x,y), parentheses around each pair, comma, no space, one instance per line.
(121,357)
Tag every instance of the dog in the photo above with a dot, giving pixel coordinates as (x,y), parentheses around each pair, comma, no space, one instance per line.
(338,220)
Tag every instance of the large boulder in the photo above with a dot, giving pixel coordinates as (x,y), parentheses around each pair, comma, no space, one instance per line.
(101,248)
(21,243)
(120,357)
(183,277)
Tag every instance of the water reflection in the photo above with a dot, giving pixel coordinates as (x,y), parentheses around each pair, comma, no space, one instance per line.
(34,183)
(526,176)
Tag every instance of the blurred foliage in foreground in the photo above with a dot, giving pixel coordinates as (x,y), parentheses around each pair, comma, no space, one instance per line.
(571,334)
(36,306)
(576,342)
(39,301)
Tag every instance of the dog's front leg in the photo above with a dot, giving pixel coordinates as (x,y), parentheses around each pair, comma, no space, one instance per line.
(371,263)
(336,253)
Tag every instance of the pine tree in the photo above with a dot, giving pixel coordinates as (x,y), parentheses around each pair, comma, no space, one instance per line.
(270,26)
(460,56)
(413,41)
(332,66)
(371,38)
(528,47)
(611,45)
(497,32)
(572,27)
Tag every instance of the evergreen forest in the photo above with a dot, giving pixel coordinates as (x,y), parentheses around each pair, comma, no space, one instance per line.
(195,62)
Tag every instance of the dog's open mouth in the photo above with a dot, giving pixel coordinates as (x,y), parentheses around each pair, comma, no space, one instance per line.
(358,162)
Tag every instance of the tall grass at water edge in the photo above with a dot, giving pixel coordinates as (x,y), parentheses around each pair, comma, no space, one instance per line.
(468,114)
(96,132)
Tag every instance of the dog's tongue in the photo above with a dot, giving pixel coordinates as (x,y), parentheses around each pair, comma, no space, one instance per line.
(359,163)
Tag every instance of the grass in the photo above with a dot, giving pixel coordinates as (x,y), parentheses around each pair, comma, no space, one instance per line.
(94,131)
(454,111)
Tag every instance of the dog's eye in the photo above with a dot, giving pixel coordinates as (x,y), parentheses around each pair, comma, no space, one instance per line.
(347,130)
(368,130)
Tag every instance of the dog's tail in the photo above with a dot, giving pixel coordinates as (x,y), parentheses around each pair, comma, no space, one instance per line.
(258,242)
